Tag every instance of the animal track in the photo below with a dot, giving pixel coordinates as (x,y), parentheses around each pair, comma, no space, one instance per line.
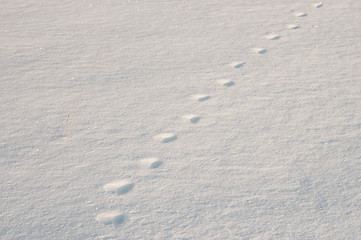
(108,218)
(293,26)
(273,36)
(151,162)
(122,187)
(237,64)
(201,97)
(300,14)
(318,5)
(259,50)
(226,82)
(165,137)
(119,187)
(192,118)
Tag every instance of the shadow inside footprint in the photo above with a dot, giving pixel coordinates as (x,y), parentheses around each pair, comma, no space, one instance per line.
(119,187)
(119,219)
(238,64)
(318,5)
(300,14)
(151,162)
(108,218)
(259,50)
(292,26)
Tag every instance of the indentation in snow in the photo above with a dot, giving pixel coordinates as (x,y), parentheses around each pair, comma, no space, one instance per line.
(165,137)
(113,217)
(192,118)
(119,187)
(273,36)
(237,64)
(201,97)
(300,14)
(293,26)
(259,50)
(225,82)
(318,5)
(151,162)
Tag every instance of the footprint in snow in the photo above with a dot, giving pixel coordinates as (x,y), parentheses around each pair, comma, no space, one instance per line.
(151,162)
(191,118)
(201,97)
(259,50)
(165,137)
(113,217)
(318,5)
(237,64)
(273,36)
(120,187)
(293,26)
(225,82)
(300,14)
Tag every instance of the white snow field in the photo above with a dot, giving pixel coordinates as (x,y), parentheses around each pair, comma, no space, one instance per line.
(117,121)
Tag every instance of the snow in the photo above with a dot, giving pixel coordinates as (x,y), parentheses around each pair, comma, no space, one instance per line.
(300,14)
(110,218)
(151,162)
(193,118)
(293,26)
(226,82)
(317,5)
(237,64)
(186,119)
(259,50)
(273,36)
(165,137)
(120,187)
(201,97)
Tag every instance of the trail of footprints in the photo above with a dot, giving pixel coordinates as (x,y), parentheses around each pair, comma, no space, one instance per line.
(122,187)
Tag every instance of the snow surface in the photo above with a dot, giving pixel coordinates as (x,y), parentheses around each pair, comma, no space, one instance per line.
(89,89)
(119,187)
